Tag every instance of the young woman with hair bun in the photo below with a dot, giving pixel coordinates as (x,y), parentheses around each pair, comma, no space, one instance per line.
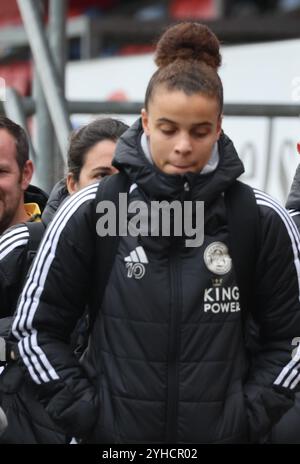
(167,360)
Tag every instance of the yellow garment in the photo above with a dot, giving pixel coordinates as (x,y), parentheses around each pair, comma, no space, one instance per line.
(33,211)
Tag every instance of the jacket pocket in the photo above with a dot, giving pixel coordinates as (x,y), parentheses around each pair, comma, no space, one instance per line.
(265,410)
(27,420)
(75,414)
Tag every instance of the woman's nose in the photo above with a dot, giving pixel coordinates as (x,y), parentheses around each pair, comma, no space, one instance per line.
(183,145)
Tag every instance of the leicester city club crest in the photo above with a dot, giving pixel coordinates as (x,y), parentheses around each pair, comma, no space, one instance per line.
(217,259)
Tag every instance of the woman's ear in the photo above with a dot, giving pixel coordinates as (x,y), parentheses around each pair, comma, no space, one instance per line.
(219,126)
(145,121)
(72,185)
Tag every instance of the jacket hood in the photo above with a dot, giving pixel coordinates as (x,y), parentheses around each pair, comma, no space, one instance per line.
(34,194)
(293,201)
(130,158)
(56,197)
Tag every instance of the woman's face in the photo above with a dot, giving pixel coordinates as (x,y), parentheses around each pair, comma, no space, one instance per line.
(182,130)
(97,164)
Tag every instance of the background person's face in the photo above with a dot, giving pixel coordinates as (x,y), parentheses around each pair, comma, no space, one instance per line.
(182,130)
(12,182)
(97,164)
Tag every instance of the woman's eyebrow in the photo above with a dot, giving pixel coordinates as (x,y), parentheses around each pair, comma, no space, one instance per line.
(101,168)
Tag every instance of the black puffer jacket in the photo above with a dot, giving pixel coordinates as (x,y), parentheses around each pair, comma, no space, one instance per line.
(27,421)
(288,428)
(15,258)
(166,361)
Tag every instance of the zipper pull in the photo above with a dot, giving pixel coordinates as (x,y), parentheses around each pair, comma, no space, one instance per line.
(186,187)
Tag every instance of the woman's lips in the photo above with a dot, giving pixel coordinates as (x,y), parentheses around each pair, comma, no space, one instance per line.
(183,167)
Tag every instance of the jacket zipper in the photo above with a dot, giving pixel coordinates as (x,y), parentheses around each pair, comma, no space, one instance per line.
(174,348)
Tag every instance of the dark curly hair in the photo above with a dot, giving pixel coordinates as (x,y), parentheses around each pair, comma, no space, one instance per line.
(188,57)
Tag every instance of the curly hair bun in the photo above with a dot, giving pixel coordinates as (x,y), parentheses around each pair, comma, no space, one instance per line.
(188,41)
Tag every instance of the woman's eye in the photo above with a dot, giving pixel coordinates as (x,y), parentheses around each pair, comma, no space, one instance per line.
(201,134)
(168,131)
(101,175)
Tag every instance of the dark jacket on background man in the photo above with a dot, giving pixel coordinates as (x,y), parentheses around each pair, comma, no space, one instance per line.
(166,360)
(14,257)
(27,420)
(34,194)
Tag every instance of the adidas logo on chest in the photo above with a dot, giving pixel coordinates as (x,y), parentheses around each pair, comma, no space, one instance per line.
(135,263)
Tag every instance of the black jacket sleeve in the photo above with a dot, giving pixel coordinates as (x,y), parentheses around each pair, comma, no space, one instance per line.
(13,267)
(53,299)
(274,376)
